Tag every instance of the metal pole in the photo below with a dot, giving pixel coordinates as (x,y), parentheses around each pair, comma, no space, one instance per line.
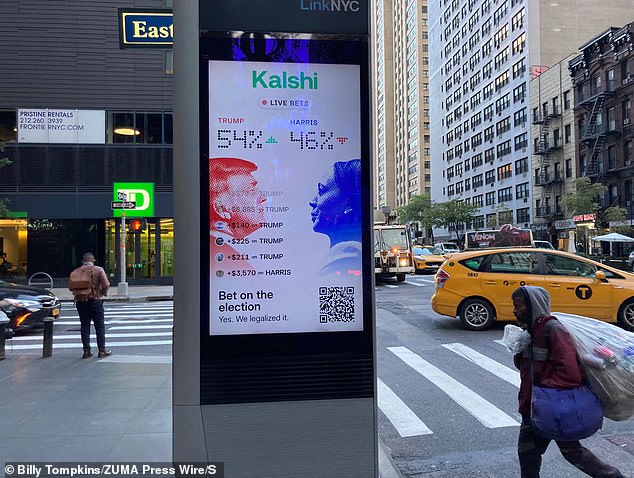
(47,348)
(122,288)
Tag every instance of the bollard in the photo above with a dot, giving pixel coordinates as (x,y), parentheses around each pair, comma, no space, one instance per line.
(3,326)
(4,322)
(47,350)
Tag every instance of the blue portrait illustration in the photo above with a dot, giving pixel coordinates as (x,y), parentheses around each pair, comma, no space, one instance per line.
(336,212)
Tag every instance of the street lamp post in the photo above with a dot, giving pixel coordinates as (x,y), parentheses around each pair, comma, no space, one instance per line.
(122,288)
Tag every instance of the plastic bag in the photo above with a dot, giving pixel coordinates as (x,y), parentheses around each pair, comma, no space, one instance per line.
(515,338)
(606,353)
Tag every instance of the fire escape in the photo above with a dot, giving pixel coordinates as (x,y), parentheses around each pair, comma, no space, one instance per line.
(546,148)
(596,133)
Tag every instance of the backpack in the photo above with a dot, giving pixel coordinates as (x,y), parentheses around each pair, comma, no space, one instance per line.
(81,284)
(606,354)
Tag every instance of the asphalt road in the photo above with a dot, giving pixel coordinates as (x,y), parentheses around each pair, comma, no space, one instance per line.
(448,397)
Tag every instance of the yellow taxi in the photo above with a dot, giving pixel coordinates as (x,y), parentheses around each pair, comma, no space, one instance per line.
(427,259)
(476,286)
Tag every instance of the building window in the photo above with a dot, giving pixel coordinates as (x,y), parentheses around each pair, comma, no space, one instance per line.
(490,198)
(489,176)
(568,168)
(505,171)
(140,127)
(567,100)
(8,126)
(505,194)
(521,191)
(523,215)
(519,117)
(521,166)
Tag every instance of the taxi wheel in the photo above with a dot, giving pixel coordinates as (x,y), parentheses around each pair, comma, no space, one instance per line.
(400,277)
(626,315)
(476,314)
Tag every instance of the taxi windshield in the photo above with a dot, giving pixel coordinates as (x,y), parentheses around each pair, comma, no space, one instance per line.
(426,251)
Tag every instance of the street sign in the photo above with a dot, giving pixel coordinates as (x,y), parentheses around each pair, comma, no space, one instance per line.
(123,204)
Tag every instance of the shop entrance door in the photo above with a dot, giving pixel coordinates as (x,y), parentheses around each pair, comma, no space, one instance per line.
(149,253)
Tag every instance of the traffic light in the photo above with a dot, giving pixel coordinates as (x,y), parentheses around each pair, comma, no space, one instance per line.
(137,225)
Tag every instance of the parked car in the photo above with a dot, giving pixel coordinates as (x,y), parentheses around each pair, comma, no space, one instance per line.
(543,245)
(427,259)
(447,247)
(476,286)
(27,307)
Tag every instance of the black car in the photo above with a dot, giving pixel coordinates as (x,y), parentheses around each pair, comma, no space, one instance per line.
(27,307)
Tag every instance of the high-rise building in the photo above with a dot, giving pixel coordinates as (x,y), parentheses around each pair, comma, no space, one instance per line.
(482,56)
(401,101)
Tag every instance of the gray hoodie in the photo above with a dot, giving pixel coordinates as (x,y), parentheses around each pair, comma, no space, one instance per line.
(538,301)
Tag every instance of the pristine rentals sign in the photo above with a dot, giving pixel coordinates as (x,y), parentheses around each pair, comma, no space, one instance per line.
(61,126)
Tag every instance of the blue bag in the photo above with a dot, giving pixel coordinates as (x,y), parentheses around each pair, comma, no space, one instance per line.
(566,414)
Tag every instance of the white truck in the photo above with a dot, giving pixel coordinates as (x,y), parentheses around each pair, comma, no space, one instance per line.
(392,252)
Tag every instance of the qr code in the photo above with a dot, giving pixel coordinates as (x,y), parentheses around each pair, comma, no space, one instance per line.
(336,304)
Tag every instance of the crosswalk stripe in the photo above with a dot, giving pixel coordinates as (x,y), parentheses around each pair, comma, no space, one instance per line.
(127,314)
(415,283)
(482,410)
(505,373)
(140,326)
(124,321)
(128,335)
(79,346)
(391,286)
(405,421)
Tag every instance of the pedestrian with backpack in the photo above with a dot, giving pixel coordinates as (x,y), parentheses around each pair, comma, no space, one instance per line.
(549,364)
(89,284)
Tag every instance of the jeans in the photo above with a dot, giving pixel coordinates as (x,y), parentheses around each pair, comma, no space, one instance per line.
(92,310)
(531,447)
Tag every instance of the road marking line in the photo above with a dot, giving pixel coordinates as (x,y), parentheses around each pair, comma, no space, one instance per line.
(405,421)
(414,283)
(391,286)
(115,315)
(77,337)
(112,322)
(79,346)
(483,411)
(505,373)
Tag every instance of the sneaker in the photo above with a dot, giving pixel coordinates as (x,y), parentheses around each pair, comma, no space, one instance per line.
(104,353)
(87,354)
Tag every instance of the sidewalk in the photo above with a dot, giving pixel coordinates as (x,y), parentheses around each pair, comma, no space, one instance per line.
(115,409)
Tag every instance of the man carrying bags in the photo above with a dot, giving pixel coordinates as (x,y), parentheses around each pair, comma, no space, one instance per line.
(548,362)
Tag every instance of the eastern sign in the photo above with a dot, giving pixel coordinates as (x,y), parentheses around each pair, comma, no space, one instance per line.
(285,214)
(61,126)
(146,28)
(141,195)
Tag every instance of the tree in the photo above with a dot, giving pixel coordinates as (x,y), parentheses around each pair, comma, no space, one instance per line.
(4,161)
(586,200)
(420,209)
(452,215)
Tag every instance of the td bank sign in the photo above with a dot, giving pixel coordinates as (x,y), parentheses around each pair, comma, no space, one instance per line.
(142,194)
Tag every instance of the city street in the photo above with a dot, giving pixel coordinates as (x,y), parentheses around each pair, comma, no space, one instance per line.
(448,397)
(139,332)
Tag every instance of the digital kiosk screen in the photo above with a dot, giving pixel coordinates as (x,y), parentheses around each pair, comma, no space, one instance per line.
(286,156)
(287,297)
